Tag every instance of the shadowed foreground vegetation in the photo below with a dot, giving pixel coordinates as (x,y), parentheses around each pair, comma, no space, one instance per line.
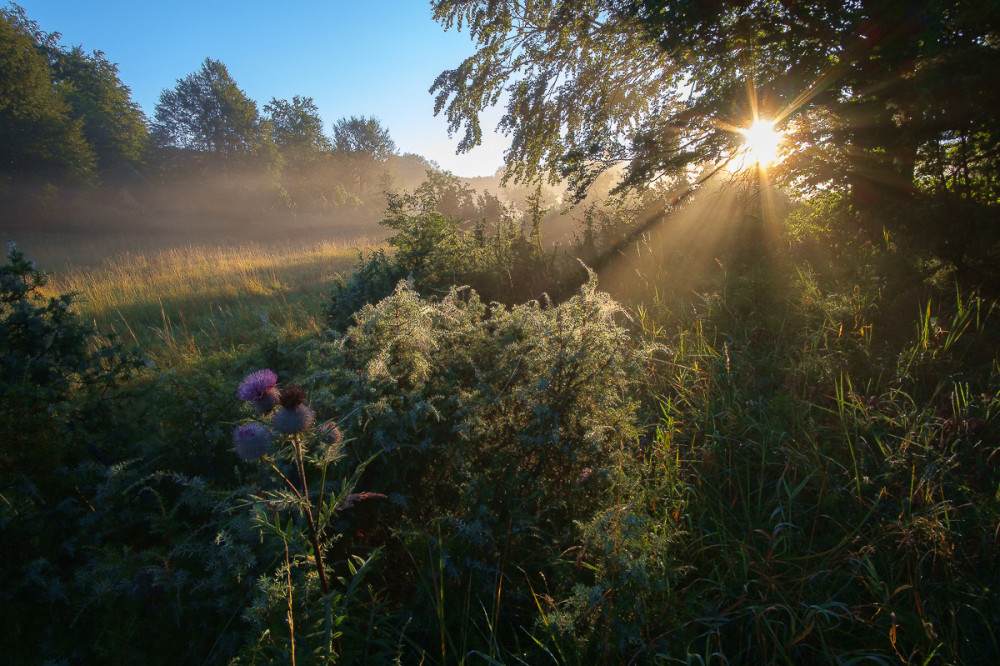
(786,454)
(722,425)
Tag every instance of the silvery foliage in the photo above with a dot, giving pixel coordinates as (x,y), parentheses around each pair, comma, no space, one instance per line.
(488,416)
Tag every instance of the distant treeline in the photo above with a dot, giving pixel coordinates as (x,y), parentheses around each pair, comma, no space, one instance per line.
(77,152)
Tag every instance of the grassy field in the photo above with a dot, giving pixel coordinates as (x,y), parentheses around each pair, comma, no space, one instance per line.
(201,300)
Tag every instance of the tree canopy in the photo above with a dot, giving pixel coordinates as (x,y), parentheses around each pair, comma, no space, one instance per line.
(296,127)
(366,145)
(359,135)
(64,113)
(892,101)
(863,88)
(580,87)
(113,124)
(39,134)
(207,111)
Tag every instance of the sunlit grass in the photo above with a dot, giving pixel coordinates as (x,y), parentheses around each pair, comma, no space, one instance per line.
(200,300)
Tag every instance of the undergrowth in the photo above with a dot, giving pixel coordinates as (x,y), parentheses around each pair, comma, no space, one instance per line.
(785,454)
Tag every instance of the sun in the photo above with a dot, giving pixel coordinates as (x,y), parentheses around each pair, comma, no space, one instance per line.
(761,140)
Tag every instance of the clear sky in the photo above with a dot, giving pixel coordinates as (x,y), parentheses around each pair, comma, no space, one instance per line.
(353,57)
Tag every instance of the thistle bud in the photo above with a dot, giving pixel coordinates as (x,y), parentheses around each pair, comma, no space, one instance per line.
(293,421)
(292,397)
(252,440)
(330,434)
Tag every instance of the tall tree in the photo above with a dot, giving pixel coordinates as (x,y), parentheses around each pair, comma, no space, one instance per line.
(883,98)
(870,80)
(664,83)
(581,85)
(366,144)
(206,111)
(113,124)
(39,136)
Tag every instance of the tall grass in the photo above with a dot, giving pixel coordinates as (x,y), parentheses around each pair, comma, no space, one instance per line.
(200,300)
(821,487)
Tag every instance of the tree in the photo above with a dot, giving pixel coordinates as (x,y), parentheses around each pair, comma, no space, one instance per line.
(113,124)
(366,144)
(39,136)
(870,91)
(207,112)
(296,128)
(445,193)
(582,86)
(893,102)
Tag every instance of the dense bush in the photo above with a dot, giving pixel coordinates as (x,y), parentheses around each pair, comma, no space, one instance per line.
(56,374)
(59,410)
(498,428)
(443,237)
(372,279)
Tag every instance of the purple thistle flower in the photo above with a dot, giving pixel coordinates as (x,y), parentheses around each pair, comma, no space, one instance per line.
(292,421)
(252,440)
(257,385)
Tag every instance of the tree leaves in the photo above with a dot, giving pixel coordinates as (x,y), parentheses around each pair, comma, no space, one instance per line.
(207,111)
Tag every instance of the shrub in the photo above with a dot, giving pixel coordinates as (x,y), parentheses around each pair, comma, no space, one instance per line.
(59,412)
(497,427)
(437,250)
(372,279)
(56,374)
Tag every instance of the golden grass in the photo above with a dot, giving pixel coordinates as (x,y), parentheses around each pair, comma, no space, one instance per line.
(199,300)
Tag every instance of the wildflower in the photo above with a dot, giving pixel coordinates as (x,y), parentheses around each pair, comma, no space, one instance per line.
(252,440)
(258,388)
(294,416)
(292,421)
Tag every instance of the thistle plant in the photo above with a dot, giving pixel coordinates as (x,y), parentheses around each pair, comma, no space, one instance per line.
(284,437)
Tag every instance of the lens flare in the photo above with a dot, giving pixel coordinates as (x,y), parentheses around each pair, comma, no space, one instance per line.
(761,140)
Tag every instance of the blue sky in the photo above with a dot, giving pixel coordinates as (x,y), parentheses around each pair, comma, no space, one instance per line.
(352,57)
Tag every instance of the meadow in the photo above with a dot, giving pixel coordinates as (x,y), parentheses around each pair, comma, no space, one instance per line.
(208,299)
(770,446)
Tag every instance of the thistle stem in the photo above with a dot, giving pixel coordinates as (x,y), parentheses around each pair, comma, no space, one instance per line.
(313,534)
